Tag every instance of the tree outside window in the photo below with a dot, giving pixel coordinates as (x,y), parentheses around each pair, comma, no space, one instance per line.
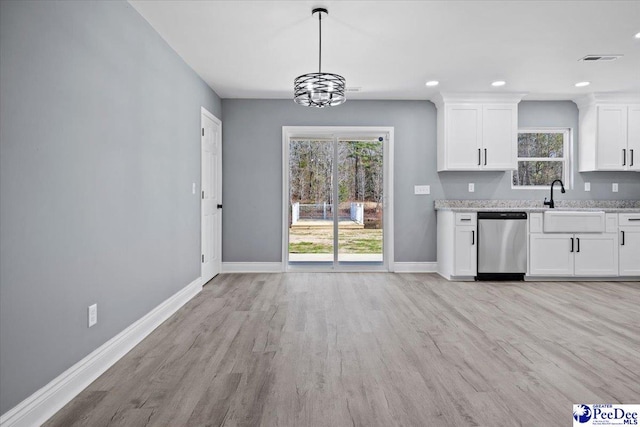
(543,156)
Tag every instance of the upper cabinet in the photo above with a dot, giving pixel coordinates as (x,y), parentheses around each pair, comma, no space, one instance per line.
(609,138)
(477,132)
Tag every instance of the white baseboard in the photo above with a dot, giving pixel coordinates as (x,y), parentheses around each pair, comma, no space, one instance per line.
(44,403)
(252,267)
(415,267)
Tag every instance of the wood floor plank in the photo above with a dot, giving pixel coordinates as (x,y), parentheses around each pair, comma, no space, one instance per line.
(374,349)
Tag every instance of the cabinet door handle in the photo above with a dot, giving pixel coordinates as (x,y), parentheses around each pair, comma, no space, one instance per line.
(624,157)
(578,239)
(571,245)
(485,157)
(473,237)
(479,157)
(622,244)
(631,152)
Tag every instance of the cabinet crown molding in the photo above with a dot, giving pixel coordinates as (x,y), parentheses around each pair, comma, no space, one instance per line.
(478,98)
(607,98)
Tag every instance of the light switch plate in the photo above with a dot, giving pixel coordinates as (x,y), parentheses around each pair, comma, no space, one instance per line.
(614,187)
(93,314)
(472,187)
(421,189)
(587,186)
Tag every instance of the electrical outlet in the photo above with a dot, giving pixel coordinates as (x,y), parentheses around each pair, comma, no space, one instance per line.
(421,189)
(587,186)
(93,314)
(472,187)
(193,188)
(614,187)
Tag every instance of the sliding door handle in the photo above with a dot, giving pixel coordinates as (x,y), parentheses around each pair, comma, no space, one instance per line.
(622,244)
(571,245)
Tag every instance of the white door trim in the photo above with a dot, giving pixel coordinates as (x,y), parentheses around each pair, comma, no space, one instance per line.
(341,131)
(205,113)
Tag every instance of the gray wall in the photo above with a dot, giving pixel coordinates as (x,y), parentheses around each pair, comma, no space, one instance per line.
(100,143)
(252,176)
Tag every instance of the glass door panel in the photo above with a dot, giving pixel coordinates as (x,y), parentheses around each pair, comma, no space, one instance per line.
(311,209)
(360,200)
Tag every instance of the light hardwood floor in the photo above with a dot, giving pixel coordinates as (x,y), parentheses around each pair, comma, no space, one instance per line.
(378,349)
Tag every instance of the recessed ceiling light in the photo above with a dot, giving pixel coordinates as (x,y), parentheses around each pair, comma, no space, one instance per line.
(637,36)
(582,84)
(432,83)
(499,83)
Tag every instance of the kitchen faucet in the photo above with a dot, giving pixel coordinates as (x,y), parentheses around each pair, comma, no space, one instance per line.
(550,203)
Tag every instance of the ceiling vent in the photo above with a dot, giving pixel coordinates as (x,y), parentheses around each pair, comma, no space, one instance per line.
(600,58)
(353,89)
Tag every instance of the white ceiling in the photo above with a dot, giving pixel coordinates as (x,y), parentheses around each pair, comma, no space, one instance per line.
(255,49)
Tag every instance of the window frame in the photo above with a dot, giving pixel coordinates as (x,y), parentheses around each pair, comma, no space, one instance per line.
(567,155)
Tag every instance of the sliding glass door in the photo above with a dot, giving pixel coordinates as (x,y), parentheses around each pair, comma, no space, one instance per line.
(360,196)
(311,230)
(336,200)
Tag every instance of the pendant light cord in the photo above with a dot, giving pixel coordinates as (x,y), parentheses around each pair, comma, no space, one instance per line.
(320,42)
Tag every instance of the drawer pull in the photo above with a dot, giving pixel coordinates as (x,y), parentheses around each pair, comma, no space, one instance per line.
(634,219)
(469,219)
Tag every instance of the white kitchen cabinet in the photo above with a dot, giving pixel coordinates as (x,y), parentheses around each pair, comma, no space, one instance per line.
(465,251)
(464,142)
(596,254)
(565,254)
(457,245)
(550,254)
(629,244)
(609,137)
(477,132)
(633,137)
(612,137)
(500,137)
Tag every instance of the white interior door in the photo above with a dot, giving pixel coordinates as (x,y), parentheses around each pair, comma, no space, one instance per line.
(211,194)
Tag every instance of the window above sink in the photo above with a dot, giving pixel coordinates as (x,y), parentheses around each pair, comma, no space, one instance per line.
(544,155)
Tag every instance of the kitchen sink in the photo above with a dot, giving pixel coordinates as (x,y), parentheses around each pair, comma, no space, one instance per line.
(573,221)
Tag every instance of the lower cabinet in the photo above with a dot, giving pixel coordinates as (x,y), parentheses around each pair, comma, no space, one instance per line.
(457,245)
(558,254)
(550,255)
(465,251)
(629,251)
(596,254)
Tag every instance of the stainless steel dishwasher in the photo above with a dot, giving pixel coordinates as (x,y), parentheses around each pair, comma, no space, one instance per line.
(502,245)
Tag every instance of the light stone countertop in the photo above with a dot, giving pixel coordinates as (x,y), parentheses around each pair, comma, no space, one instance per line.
(609,206)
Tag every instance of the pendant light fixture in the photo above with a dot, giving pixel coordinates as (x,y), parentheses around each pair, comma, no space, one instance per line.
(319,89)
